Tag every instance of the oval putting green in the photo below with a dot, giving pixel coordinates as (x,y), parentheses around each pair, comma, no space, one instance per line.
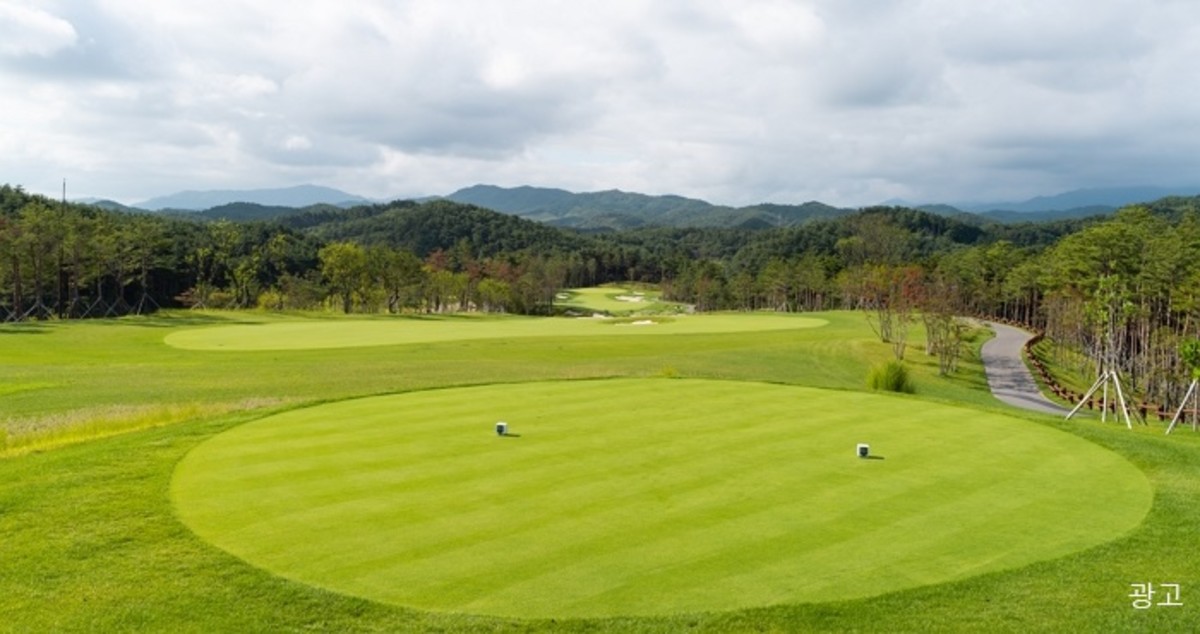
(345,333)
(647,496)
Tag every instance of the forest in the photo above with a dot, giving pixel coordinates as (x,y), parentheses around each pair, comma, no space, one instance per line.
(1121,290)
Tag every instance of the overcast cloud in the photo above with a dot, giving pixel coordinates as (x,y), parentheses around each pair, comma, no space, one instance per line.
(736,101)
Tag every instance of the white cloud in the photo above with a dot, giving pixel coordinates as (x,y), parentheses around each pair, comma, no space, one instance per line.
(297,142)
(29,30)
(739,101)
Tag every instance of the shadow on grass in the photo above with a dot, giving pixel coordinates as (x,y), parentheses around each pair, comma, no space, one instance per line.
(872,457)
(140,321)
(175,320)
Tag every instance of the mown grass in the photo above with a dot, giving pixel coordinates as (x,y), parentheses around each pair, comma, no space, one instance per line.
(313,335)
(92,543)
(636,496)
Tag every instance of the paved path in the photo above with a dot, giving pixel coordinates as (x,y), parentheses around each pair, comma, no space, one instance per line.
(1007,375)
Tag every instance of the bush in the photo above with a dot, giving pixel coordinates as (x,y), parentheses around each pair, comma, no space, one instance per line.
(221,299)
(892,377)
(270,300)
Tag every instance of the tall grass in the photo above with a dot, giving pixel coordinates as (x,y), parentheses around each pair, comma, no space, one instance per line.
(891,376)
(23,435)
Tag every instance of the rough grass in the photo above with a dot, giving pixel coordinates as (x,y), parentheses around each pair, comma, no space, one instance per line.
(91,542)
(38,433)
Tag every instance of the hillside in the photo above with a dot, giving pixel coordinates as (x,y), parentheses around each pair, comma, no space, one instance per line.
(1002,216)
(1049,215)
(250,212)
(426,227)
(618,210)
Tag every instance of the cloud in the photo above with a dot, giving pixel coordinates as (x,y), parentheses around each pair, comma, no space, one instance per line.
(739,101)
(30,31)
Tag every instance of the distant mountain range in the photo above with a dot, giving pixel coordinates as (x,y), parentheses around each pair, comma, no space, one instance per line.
(298,196)
(616,210)
(1096,198)
(1078,203)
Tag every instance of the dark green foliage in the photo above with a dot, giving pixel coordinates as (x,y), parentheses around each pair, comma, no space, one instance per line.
(1029,217)
(311,217)
(250,212)
(1040,234)
(1189,354)
(440,224)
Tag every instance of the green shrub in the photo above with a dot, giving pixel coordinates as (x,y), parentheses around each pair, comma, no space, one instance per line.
(892,377)
(270,300)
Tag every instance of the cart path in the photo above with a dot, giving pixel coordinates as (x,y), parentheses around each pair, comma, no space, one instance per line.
(1007,375)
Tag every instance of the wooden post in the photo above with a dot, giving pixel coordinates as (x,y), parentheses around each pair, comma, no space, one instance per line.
(1121,398)
(1182,404)
(1102,382)
(1088,395)
(1104,405)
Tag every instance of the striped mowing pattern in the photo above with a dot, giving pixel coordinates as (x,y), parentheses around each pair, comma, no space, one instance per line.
(647,497)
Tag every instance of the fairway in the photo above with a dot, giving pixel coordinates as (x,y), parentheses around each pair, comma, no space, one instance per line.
(324,334)
(615,299)
(646,496)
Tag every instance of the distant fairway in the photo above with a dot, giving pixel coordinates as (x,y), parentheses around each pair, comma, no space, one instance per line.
(647,496)
(615,299)
(325,334)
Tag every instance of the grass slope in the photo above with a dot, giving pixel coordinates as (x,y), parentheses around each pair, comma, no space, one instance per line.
(647,497)
(92,543)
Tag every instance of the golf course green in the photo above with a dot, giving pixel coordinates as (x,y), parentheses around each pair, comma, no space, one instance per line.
(643,497)
(326,334)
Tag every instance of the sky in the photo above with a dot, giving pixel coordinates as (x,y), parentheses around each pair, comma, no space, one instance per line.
(850,102)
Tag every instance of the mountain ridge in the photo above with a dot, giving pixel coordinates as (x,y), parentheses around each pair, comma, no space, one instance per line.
(294,196)
(614,209)
(1094,197)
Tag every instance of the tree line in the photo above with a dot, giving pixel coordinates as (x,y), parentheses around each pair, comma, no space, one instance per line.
(1122,290)
(66,261)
